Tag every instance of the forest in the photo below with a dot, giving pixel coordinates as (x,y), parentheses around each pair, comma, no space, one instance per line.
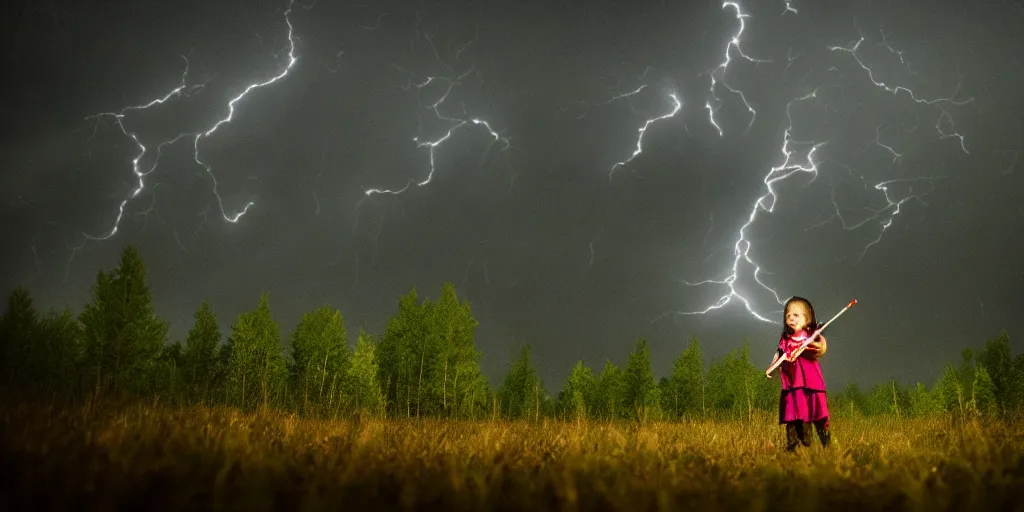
(424,364)
(102,411)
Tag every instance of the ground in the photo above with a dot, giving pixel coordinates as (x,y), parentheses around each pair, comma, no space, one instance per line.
(147,456)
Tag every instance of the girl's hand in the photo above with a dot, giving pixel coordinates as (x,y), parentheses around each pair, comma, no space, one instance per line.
(818,347)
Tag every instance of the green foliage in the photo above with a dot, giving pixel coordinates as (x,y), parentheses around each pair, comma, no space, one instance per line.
(429,364)
(401,354)
(200,362)
(365,394)
(850,400)
(521,393)
(577,398)
(888,399)
(1014,391)
(997,360)
(122,335)
(610,397)
(454,377)
(685,393)
(165,377)
(320,361)
(425,364)
(639,392)
(256,370)
(983,392)
(19,329)
(924,403)
(951,392)
(56,354)
(737,387)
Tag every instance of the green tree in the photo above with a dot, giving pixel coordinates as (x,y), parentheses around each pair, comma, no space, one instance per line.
(1014,391)
(983,392)
(640,393)
(320,360)
(401,354)
(578,394)
(888,399)
(924,402)
(200,357)
(56,355)
(610,396)
(19,330)
(735,385)
(521,392)
(122,334)
(953,396)
(166,378)
(997,360)
(365,391)
(686,390)
(256,371)
(454,374)
(850,400)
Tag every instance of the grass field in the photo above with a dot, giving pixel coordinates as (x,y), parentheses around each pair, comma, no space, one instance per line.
(151,457)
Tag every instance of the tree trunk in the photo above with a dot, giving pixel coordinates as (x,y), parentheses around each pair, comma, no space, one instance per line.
(536,390)
(703,394)
(322,379)
(455,391)
(895,404)
(266,381)
(419,384)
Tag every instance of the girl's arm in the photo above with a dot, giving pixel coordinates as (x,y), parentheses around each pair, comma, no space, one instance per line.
(778,354)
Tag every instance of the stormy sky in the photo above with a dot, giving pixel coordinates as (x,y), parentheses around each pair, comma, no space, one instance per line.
(871,149)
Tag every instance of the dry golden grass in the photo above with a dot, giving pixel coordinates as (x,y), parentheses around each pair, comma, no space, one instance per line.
(146,457)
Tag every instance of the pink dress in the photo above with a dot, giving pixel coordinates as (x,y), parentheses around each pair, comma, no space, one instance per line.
(803,395)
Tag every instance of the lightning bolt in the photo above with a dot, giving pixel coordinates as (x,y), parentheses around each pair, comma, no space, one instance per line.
(892,207)
(743,263)
(766,203)
(292,59)
(457,123)
(643,130)
(895,90)
(136,166)
(717,75)
(183,89)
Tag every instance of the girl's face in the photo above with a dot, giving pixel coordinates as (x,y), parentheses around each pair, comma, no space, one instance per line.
(797,316)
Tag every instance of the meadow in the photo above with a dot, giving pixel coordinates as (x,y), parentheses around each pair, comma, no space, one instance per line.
(143,455)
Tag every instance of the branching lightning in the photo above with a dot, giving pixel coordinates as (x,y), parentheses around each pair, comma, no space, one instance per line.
(183,89)
(643,130)
(292,59)
(895,90)
(798,157)
(717,75)
(741,249)
(457,124)
(742,260)
(892,207)
(139,173)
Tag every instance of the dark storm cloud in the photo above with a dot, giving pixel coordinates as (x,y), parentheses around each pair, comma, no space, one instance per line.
(547,248)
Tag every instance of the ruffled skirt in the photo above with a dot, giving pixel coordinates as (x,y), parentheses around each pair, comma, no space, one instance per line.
(802,404)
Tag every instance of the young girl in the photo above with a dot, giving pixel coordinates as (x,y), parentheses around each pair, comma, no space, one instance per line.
(803,398)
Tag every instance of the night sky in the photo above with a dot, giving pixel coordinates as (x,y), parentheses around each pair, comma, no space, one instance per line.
(903,123)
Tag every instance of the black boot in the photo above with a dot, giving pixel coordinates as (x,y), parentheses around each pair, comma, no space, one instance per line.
(792,436)
(804,431)
(824,432)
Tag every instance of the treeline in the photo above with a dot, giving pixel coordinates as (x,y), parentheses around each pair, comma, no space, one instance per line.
(425,363)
